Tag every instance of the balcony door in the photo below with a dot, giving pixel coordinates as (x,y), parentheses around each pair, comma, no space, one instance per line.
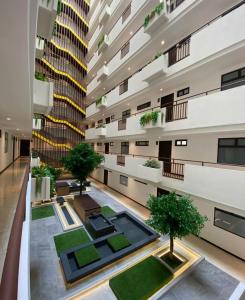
(165,154)
(168,102)
(106,177)
(107,148)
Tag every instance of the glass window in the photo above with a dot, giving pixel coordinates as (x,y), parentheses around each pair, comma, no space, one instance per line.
(144,105)
(142,143)
(124,147)
(180,142)
(233,79)
(183,92)
(231,151)
(126,114)
(124,180)
(229,222)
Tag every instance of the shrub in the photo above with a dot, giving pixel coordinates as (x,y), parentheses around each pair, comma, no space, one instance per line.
(152,163)
(86,255)
(41,76)
(149,117)
(118,242)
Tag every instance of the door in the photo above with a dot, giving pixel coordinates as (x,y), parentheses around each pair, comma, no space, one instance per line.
(107,148)
(106,177)
(167,101)
(108,120)
(161,192)
(164,154)
(13,148)
(24,148)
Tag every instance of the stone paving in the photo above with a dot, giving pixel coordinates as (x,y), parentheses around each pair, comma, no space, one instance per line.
(206,282)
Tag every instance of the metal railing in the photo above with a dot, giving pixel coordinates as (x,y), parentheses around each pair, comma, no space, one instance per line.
(173,170)
(179,52)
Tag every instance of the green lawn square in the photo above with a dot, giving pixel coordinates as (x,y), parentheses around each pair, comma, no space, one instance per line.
(70,239)
(118,242)
(107,211)
(42,212)
(86,255)
(142,280)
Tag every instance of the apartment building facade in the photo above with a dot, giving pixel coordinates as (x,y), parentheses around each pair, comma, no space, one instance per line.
(59,84)
(180,63)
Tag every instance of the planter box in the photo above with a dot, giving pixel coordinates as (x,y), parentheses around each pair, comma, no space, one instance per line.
(105,14)
(44,193)
(43,96)
(156,69)
(102,73)
(150,174)
(101,131)
(35,162)
(157,22)
(39,47)
(104,44)
(103,103)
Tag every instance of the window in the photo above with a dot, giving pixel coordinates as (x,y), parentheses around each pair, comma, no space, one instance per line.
(99,144)
(126,13)
(124,180)
(112,117)
(142,143)
(233,79)
(124,147)
(126,114)
(125,49)
(229,222)
(144,105)
(231,151)
(183,92)
(123,87)
(180,142)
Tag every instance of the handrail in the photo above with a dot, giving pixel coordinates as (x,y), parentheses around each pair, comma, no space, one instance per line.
(202,163)
(182,100)
(165,52)
(9,282)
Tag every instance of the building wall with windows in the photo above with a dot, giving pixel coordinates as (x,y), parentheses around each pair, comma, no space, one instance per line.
(180,66)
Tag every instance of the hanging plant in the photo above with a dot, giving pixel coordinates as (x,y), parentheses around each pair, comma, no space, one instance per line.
(149,117)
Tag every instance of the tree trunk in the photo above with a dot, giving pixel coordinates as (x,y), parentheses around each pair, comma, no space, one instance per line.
(81,188)
(171,246)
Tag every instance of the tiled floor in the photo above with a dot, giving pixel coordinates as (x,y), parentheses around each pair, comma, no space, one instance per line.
(10,186)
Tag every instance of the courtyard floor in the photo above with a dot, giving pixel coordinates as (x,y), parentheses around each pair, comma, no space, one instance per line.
(205,282)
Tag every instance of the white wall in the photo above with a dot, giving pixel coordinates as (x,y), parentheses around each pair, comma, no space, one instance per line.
(7,158)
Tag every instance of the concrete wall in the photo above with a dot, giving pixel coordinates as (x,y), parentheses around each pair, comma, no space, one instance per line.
(7,158)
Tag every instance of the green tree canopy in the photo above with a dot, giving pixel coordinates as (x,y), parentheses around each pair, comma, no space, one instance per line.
(175,216)
(81,161)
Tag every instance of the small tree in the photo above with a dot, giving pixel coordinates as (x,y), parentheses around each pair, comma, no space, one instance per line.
(175,216)
(81,161)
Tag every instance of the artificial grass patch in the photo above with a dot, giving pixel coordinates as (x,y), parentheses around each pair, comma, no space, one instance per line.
(142,280)
(172,261)
(70,239)
(42,212)
(118,242)
(107,211)
(86,255)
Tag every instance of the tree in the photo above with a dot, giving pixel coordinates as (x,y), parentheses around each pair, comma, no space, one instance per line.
(81,161)
(175,216)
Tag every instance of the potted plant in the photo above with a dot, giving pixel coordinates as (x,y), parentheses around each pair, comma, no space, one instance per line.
(156,11)
(175,216)
(81,162)
(150,170)
(40,184)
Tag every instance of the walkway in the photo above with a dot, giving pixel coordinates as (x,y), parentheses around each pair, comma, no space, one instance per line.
(10,186)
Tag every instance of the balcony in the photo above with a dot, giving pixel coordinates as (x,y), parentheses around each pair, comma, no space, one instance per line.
(155,70)
(105,14)
(40,43)
(156,19)
(102,73)
(43,97)
(149,174)
(101,102)
(47,12)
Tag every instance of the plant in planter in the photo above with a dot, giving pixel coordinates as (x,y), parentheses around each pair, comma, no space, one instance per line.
(59,7)
(175,216)
(101,41)
(157,55)
(41,76)
(157,10)
(81,162)
(150,117)
(152,163)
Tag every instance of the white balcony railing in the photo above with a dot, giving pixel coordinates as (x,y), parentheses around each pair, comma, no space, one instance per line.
(105,14)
